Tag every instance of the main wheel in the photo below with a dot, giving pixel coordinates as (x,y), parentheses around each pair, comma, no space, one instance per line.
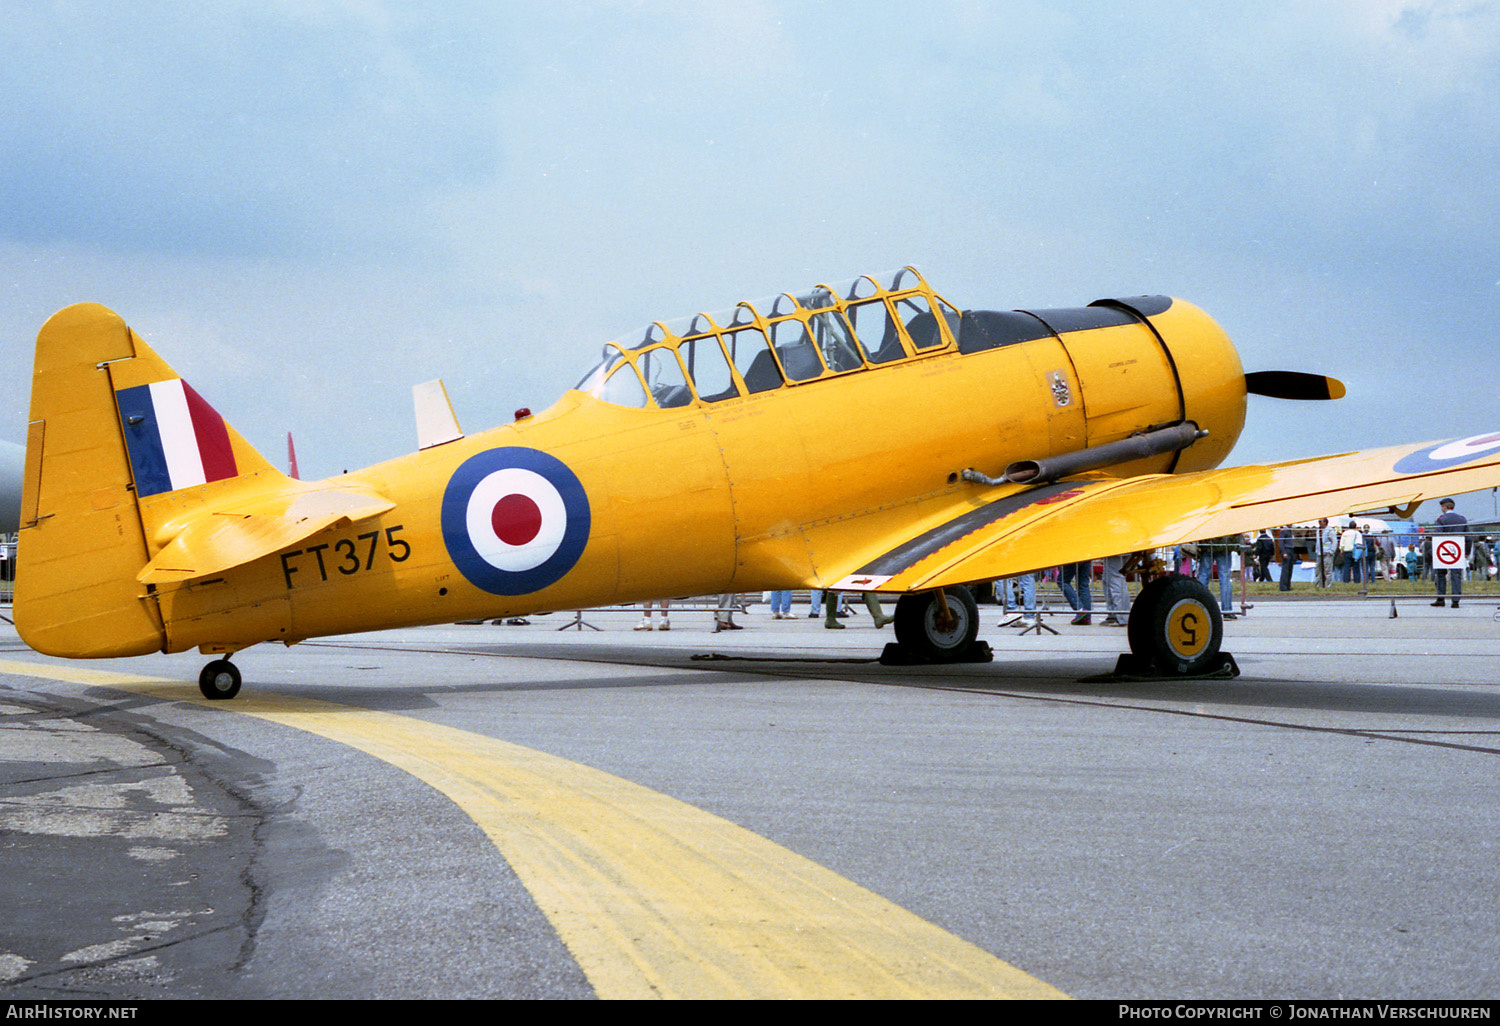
(1175,623)
(219,679)
(1137,626)
(934,630)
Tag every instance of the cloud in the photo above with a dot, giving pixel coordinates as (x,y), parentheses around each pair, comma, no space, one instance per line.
(234,128)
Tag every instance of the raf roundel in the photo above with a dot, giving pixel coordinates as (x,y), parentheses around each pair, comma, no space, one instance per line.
(1448,454)
(515,520)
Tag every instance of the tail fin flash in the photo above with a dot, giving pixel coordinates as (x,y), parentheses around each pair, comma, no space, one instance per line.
(174,438)
(115,436)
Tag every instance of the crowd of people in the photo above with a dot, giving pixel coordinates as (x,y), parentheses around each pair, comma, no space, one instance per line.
(1350,552)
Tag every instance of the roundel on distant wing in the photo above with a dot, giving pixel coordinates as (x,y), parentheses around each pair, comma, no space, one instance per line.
(1447,454)
(514,520)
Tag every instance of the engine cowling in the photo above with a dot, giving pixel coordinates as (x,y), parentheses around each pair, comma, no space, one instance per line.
(1134,365)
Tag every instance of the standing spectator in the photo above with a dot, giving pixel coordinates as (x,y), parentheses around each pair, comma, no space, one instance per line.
(1082,600)
(1413,563)
(833,608)
(1481,558)
(1351,553)
(1286,541)
(1265,549)
(1448,523)
(1328,543)
(724,614)
(835,599)
(1116,592)
(666,622)
(1219,553)
(872,603)
(1027,584)
(1388,555)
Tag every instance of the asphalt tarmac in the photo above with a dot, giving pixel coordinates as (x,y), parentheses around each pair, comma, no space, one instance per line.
(522,812)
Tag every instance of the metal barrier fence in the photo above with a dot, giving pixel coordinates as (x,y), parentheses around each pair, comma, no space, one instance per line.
(1409,570)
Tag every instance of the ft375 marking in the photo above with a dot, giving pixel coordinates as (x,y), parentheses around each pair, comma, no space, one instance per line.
(349,556)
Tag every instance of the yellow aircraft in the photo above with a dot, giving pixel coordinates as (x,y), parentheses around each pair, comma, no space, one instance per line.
(842,437)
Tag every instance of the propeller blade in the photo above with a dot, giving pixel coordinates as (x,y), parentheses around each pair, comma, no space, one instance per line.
(1293,385)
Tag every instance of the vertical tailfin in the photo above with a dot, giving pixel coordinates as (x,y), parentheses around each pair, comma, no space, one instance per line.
(117,447)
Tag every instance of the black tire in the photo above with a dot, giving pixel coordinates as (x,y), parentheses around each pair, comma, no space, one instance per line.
(1138,623)
(918,630)
(219,680)
(1176,625)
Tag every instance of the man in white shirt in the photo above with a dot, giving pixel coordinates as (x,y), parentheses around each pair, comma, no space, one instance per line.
(1328,543)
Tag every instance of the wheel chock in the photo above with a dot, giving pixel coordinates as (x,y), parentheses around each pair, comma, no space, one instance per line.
(895,654)
(1134,667)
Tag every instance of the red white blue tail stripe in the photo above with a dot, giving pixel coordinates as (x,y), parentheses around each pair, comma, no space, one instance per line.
(175,438)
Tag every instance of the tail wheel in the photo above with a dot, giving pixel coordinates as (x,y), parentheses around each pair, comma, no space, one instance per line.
(935,628)
(220,679)
(1176,625)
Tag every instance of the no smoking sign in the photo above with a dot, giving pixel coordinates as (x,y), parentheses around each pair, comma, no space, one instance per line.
(1448,554)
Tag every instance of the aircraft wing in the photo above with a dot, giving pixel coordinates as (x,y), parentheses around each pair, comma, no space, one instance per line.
(1009,529)
(216,540)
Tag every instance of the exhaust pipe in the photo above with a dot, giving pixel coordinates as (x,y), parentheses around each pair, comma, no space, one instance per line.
(1147,443)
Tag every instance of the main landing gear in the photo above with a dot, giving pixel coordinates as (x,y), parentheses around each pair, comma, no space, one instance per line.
(937,627)
(1174,630)
(220,679)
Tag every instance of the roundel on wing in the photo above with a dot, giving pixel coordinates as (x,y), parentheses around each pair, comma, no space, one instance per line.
(514,520)
(1447,454)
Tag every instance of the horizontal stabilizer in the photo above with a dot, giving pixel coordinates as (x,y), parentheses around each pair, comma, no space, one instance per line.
(217,540)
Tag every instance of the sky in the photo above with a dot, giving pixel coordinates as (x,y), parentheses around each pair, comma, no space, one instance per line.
(308,207)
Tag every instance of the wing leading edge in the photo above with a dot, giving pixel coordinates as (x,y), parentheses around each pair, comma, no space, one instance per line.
(1022,530)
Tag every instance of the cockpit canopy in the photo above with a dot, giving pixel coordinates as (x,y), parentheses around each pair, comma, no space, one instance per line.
(786,340)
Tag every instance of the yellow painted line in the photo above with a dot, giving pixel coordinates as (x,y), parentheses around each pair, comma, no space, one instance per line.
(653,897)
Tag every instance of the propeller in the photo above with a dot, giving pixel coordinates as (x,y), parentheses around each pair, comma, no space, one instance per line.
(1293,385)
